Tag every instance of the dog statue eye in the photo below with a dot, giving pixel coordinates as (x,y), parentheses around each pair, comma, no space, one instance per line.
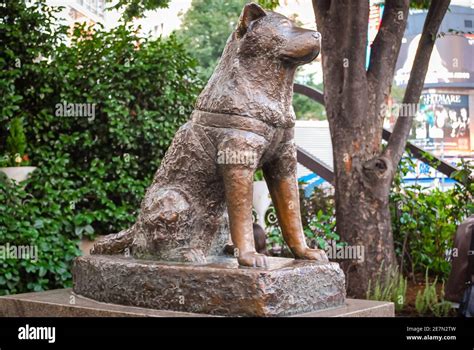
(286,23)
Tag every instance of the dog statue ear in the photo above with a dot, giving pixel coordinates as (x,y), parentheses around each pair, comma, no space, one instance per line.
(250,13)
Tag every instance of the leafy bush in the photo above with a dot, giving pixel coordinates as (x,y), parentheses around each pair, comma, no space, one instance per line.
(321,230)
(16,145)
(424,222)
(139,98)
(92,169)
(205,28)
(318,219)
(38,222)
(318,216)
(320,200)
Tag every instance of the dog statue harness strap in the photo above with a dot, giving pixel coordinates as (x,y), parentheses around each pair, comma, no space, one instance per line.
(233,121)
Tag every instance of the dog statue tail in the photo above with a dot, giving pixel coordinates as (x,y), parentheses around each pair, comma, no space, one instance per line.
(115,243)
(119,242)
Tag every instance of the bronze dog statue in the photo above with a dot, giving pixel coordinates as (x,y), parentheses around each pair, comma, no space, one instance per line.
(243,121)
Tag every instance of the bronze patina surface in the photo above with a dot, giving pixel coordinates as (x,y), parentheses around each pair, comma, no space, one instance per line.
(243,121)
(218,287)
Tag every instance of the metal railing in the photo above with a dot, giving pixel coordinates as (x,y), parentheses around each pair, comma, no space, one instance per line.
(325,171)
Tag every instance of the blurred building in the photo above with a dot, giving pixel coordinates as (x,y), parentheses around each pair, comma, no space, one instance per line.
(444,124)
(81,11)
(154,23)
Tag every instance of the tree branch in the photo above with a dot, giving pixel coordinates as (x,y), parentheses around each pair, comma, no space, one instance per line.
(355,44)
(343,26)
(321,8)
(396,144)
(355,54)
(385,49)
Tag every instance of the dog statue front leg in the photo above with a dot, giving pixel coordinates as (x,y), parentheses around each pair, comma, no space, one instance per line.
(238,183)
(280,175)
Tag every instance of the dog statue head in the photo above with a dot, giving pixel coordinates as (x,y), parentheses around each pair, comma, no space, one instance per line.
(255,74)
(271,34)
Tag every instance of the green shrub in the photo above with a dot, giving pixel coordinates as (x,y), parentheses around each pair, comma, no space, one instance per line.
(321,230)
(38,222)
(140,97)
(92,169)
(205,28)
(320,200)
(16,145)
(318,219)
(424,222)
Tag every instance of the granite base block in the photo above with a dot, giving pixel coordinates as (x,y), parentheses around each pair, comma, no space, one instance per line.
(219,287)
(65,303)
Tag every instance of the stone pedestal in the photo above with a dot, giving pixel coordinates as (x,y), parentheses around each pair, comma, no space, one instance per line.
(220,287)
(65,303)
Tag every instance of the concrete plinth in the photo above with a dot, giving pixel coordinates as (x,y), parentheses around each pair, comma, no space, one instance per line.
(220,287)
(64,303)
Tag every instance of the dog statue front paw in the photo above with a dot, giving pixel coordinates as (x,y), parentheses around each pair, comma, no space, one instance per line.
(311,254)
(252,259)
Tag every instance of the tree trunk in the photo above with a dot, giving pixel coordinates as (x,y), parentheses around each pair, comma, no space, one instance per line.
(362,209)
(366,223)
(353,98)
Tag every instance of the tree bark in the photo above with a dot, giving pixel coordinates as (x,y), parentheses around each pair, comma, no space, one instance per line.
(353,97)
(401,130)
